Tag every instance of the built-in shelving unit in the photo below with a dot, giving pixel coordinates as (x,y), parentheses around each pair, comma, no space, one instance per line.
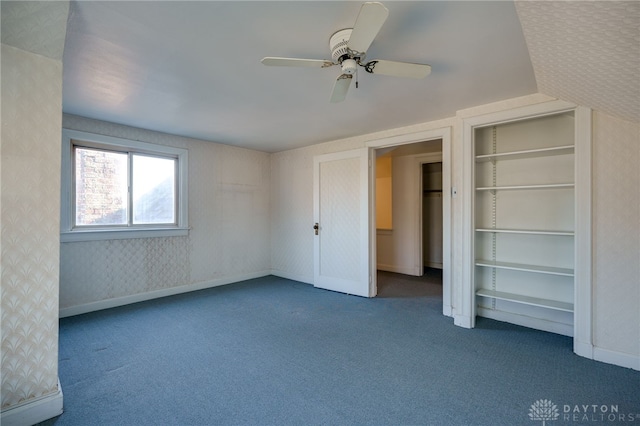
(524,213)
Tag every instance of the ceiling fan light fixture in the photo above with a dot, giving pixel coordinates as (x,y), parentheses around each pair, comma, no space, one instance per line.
(349,66)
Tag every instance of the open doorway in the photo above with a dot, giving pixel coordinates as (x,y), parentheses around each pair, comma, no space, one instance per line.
(409,220)
(440,139)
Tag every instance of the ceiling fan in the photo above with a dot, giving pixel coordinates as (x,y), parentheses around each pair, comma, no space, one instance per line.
(348,49)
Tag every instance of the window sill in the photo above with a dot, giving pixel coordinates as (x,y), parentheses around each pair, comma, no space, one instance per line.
(120,234)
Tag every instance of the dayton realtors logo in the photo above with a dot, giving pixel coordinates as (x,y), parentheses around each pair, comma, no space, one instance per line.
(545,410)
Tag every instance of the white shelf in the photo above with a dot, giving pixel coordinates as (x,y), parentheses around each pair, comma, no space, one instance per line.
(527,300)
(523,187)
(529,153)
(525,231)
(526,268)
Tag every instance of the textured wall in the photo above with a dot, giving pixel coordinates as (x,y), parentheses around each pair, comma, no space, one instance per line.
(292,209)
(616,234)
(292,200)
(586,52)
(30,221)
(228,216)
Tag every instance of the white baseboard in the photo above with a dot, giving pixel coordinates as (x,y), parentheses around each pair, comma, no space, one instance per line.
(34,411)
(526,321)
(617,358)
(294,277)
(583,349)
(416,272)
(447,311)
(141,297)
(462,321)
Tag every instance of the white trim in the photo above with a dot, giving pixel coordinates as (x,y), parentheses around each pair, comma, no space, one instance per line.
(406,270)
(466,295)
(141,297)
(583,334)
(527,321)
(463,321)
(616,358)
(444,134)
(68,234)
(372,242)
(293,277)
(34,411)
(120,234)
(518,114)
(423,136)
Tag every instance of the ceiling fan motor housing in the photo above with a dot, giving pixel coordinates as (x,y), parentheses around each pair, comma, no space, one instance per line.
(349,66)
(338,45)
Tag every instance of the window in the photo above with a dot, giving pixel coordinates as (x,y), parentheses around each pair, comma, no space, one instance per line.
(118,188)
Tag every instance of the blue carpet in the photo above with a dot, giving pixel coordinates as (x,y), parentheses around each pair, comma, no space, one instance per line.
(272,351)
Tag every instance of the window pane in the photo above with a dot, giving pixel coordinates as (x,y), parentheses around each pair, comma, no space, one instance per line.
(154,190)
(101,187)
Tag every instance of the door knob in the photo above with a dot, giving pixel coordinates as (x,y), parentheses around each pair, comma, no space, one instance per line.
(316,227)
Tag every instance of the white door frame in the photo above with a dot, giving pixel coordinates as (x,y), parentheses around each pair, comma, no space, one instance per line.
(443,134)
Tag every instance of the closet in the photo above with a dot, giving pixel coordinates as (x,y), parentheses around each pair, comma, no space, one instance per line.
(432,215)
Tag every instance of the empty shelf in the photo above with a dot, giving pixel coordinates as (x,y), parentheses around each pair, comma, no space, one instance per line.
(529,153)
(521,187)
(527,300)
(525,231)
(526,268)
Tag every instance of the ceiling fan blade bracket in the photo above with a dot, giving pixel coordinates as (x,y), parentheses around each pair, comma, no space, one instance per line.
(370,66)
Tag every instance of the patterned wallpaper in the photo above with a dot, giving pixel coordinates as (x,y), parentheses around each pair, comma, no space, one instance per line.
(616,210)
(586,52)
(616,223)
(30,235)
(292,199)
(19,18)
(228,215)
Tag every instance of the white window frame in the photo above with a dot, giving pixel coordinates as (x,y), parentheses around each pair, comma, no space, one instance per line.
(69,233)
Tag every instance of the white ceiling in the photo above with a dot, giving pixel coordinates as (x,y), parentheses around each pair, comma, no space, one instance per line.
(193,68)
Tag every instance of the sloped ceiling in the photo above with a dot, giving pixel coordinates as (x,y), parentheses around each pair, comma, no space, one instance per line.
(36,27)
(586,52)
(193,68)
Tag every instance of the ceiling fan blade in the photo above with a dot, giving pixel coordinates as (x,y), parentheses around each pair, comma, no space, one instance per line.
(341,87)
(294,62)
(398,69)
(368,23)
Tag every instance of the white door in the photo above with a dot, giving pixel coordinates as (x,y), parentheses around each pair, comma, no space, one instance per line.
(341,222)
